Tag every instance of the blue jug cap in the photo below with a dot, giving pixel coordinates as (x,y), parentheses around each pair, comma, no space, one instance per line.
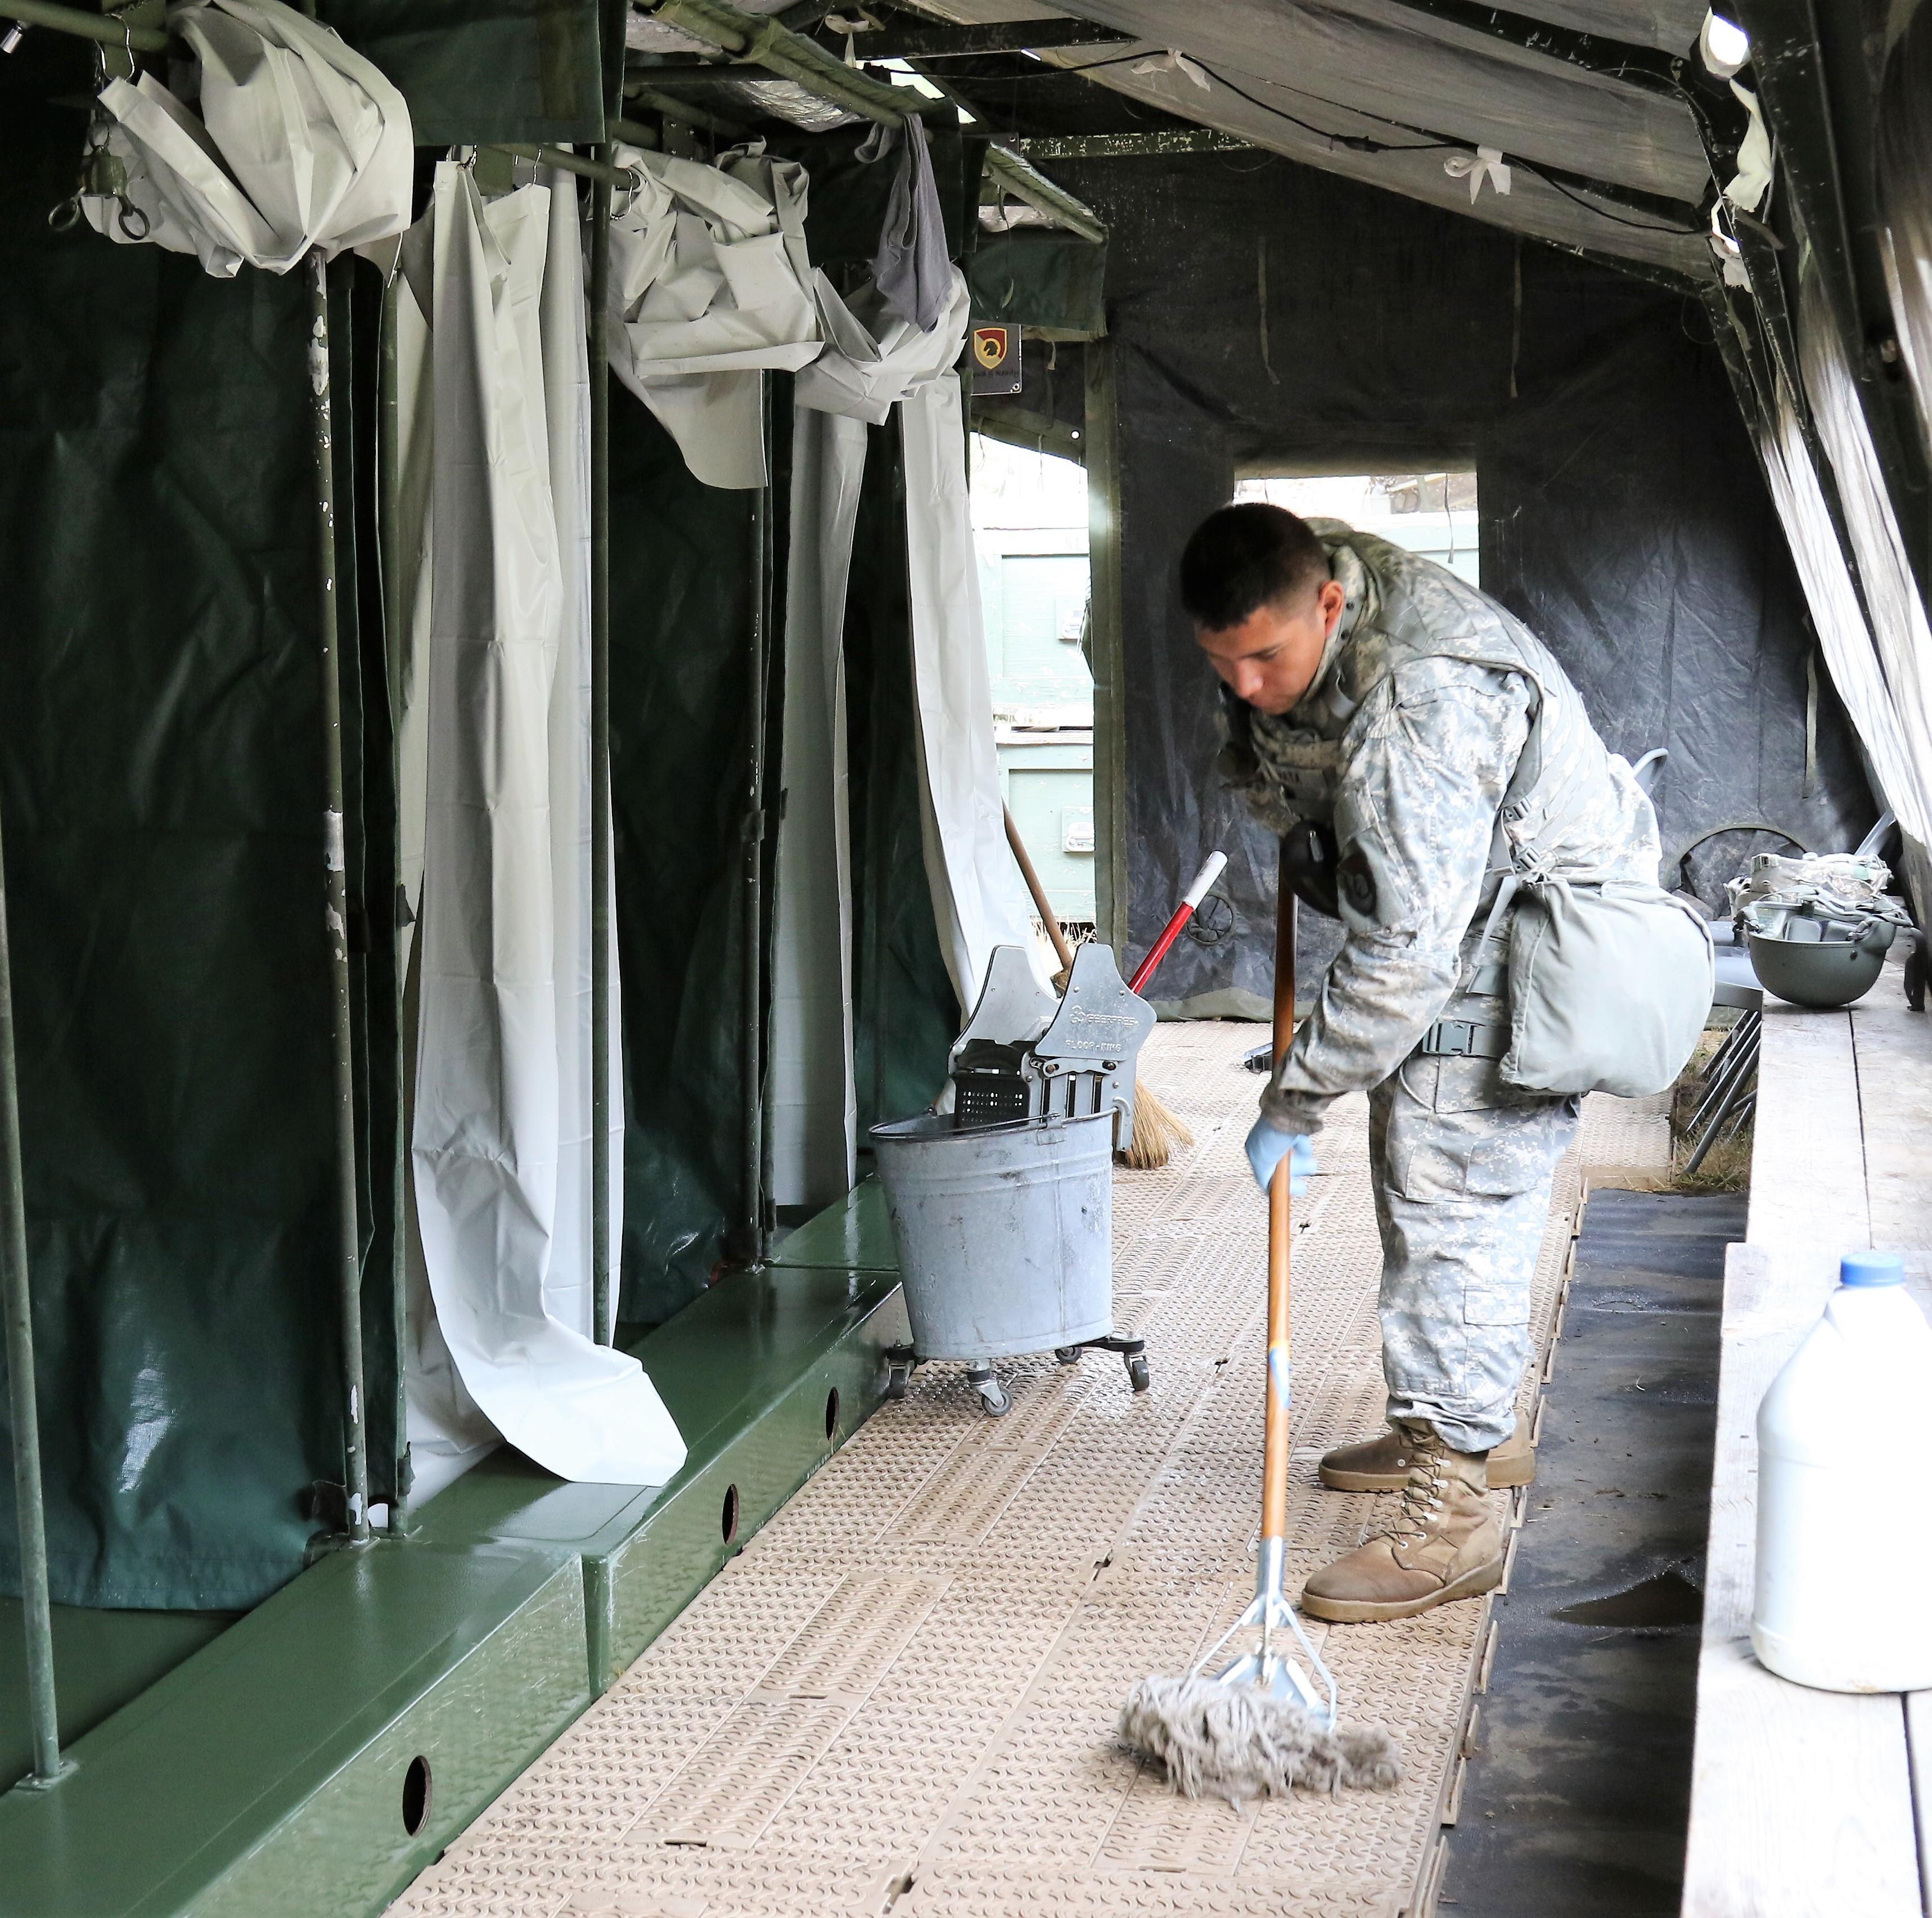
(1871,1268)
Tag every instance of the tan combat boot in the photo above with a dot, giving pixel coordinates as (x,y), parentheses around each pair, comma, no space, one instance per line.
(1382,1465)
(1443,1544)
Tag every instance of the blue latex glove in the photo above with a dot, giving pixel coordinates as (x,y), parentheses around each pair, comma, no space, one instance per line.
(1268,1145)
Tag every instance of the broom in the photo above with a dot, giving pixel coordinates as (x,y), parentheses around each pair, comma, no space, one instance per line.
(1158,1132)
(1259,1726)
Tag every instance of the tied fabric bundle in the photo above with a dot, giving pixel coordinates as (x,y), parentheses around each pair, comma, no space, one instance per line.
(711,287)
(300,144)
(874,357)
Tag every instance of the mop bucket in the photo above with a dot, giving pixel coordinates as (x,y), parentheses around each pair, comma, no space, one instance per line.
(1005,1239)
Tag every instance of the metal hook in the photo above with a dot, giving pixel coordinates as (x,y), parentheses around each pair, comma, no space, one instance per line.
(636,176)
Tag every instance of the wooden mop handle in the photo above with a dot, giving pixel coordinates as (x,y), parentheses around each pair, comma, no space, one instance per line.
(1274,1445)
(1039,892)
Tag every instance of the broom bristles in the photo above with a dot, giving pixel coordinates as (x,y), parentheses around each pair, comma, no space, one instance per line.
(1158,1131)
(1232,1741)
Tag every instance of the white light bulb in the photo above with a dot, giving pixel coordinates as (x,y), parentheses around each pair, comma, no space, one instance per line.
(1725,45)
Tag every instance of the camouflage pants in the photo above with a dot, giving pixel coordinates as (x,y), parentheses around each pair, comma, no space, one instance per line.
(1462,1169)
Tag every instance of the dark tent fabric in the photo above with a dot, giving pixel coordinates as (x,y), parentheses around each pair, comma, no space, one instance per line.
(680,624)
(161,779)
(1050,282)
(906,1017)
(483,70)
(162,828)
(1622,514)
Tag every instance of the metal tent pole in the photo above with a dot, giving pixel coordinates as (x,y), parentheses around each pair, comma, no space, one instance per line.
(37,1611)
(601,874)
(753,1151)
(348,1247)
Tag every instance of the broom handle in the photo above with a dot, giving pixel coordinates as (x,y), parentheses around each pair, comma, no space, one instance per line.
(1182,912)
(1274,1444)
(1039,892)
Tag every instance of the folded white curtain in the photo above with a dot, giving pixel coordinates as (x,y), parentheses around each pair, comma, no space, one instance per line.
(501,1142)
(1833,599)
(812,1089)
(873,358)
(710,287)
(979,898)
(1903,151)
(299,143)
(1898,628)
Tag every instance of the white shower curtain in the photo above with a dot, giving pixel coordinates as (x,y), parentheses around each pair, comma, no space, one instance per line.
(979,898)
(812,1089)
(501,1143)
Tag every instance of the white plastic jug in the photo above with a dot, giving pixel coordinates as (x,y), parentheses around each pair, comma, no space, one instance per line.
(1844,1555)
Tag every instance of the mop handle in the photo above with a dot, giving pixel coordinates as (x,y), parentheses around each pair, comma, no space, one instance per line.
(1274,1444)
(1047,917)
(1171,932)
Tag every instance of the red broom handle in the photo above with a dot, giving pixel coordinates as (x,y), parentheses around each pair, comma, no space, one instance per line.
(1196,892)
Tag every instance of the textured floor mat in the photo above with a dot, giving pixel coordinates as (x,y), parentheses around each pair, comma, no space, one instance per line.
(901,1697)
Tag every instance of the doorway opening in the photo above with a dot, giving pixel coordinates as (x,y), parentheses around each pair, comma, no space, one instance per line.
(1433,513)
(1029,530)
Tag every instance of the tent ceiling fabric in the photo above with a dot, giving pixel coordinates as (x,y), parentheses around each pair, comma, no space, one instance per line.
(1352,67)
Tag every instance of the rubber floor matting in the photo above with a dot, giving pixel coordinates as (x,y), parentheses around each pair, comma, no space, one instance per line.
(901,1697)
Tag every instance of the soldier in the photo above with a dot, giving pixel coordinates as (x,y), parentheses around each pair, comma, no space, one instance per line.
(1410,741)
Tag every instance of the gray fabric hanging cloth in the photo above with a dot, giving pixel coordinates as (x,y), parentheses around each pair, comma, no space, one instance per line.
(911,269)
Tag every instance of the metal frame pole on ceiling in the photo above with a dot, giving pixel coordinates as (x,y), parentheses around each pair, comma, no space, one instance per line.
(37,1611)
(349,1232)
(601,876)
(95,26)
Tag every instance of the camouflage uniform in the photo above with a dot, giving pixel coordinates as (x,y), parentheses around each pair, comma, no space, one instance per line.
(1407,742)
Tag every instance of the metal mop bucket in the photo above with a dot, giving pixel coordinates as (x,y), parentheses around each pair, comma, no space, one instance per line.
(1005,1239)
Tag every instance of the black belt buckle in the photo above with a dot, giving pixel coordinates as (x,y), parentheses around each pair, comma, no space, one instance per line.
(1452,1038)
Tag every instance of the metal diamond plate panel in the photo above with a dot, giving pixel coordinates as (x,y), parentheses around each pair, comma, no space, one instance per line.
(900,1698)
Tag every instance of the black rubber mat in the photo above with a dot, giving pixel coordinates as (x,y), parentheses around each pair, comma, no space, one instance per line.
(1578,1789)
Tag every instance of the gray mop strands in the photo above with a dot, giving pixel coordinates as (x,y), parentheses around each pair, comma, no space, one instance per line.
(1216,1739)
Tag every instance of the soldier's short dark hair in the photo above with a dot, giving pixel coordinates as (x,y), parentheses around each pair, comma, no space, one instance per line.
(1239,559)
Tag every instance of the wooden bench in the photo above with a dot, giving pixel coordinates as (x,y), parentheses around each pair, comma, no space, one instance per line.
(1802,1801)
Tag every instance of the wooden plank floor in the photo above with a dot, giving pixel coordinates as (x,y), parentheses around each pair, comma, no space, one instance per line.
(1802,1801)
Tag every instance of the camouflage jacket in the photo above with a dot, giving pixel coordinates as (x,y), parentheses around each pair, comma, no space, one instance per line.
(1409,741)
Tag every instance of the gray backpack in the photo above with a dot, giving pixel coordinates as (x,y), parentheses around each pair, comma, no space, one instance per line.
(1609,983)
(1608,980)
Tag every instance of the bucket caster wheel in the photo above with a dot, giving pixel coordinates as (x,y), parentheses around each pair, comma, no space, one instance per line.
(899,1371)
(1067,1354)
(1138,1376)
(994,1401)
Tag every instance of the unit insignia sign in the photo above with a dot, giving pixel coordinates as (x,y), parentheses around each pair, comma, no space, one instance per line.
(996,362)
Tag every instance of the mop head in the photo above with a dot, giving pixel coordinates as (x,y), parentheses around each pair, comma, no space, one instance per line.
(1232,1741)
(1159,1133)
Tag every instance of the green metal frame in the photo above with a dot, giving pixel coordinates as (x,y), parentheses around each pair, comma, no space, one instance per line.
(957,43)
(765,42)
(1110,738)
(1131,146)
(89,26)
(37,1615)
(266,1776)
(335,923)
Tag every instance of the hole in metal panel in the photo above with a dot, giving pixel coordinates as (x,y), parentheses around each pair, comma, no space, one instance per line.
(416,1786)
(831,1414)
(728,1519)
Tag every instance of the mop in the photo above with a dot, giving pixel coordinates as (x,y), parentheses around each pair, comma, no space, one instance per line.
(1258,1725)
(1158,1132)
